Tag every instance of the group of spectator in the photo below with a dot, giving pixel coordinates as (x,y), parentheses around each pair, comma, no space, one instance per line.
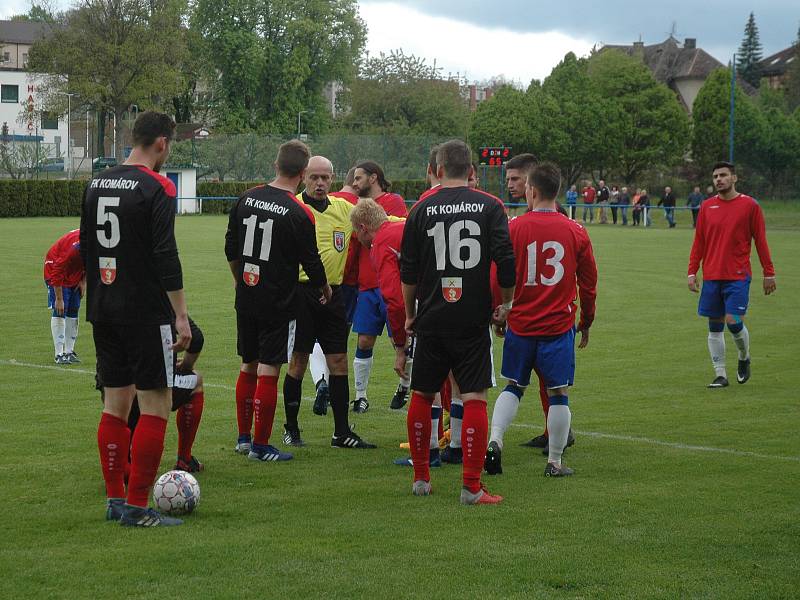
(601,200)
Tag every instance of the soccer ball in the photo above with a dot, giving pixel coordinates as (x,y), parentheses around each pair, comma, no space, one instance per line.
(176,493)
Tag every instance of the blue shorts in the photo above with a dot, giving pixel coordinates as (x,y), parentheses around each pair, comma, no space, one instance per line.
(72,300)
(370,314)
(724,297)
(553,358)
(349,297)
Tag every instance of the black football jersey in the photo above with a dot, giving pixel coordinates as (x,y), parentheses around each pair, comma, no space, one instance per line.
(450,239)
(271,234)
(127,242)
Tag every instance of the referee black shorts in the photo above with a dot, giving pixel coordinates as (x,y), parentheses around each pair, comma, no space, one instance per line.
(134,354)
(262,338)
(468,355)
(323,323)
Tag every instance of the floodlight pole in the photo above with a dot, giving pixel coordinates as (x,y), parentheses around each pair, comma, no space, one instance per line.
(69,96)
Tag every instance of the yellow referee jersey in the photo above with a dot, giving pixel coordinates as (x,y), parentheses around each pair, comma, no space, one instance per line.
(334,230)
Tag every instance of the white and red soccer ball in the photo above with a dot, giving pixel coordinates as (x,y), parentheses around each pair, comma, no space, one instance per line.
(176,493)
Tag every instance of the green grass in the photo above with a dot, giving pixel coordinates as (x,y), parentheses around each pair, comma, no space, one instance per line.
(640,519)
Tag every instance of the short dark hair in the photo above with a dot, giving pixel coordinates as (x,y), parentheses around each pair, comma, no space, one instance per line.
(350,177)
(723,164)
(546,178)
(150,126)
(292,158)
(432,159)
(372,168)
(523,162)
(455,158)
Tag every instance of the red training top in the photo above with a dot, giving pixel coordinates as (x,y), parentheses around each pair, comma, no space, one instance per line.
(367,277)
(385,260)
(63,266)
(588,195)
(723,236)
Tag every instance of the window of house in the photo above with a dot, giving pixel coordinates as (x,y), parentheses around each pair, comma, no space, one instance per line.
(9,93)
(6,57)
(49,120)
(24,59)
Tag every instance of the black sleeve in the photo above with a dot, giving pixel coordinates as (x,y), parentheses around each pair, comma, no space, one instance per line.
(165,249)
(196,345)
(232,234)
(308,253)
(409,251)
(500,248)
(84,234)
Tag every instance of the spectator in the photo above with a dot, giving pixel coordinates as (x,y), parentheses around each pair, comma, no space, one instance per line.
(603,195)
(694,201)
(572,201)
(637,207)
(614,202)
(644,203)
(668,202)
(588,201)
(709,191)
(623,201)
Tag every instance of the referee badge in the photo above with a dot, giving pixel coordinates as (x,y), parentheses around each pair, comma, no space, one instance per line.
(338,240)
(250,275)
(451,288)
(108,269)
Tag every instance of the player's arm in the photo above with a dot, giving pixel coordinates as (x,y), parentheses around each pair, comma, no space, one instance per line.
(697,252)
(760,236)
(397,207)
(187,362)
(167,264)
(83,236)
(232,243)
(586,275)
(502,254)
(309,258)
(409,271)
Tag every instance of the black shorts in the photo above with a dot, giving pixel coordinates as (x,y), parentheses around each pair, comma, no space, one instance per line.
(323,323)
(182,389)
(134,354)
(262,339)
(468,356)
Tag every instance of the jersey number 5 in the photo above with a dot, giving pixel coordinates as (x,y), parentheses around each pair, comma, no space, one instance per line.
(554,261)
(106,238)
(250,235)
(456,244)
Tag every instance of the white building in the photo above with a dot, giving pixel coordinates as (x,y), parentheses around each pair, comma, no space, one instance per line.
(21,104)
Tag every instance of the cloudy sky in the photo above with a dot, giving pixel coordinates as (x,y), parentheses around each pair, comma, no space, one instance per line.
(524,39)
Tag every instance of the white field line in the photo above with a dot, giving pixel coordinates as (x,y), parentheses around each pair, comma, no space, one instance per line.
(595,434)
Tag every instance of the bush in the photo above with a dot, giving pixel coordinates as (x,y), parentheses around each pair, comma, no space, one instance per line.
(41,197)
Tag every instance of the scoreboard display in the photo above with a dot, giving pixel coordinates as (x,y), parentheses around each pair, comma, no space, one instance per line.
(494,156)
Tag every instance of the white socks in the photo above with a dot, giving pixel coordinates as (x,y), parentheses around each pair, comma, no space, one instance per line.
(318,365)
(558,422)
(361,371)
(456,417)
(57,328)
(505,409)
(71,334)
(716,348)
(742,341)
(436,413)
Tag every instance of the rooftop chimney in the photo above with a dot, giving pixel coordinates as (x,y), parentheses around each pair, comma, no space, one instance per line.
(690,43)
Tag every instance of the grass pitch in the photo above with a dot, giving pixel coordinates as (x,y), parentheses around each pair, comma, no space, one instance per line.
(680,491)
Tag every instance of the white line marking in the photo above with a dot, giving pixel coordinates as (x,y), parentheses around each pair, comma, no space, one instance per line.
(595,434)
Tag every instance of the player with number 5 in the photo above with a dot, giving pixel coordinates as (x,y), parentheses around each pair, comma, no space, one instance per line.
(553,254)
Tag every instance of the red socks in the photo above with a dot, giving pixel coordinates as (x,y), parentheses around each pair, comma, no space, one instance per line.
(474,434)
(148,445)
(245,391)
(418,424)
(188,420)
(113,440)
(264,401)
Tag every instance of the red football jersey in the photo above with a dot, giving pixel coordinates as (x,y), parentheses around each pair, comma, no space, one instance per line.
(349,196)
(395,207)
(63,266)
(385,259)
(553,254)
(723,237)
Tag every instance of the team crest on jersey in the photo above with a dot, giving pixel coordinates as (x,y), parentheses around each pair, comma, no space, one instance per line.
(338,240)
(108,269)
(451,288)
(250,274)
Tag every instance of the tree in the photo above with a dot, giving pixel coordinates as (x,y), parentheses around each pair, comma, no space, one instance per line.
(270,60)
(778,145)
(508,118)
(39,12)
(651,128)
(112,54)
(710,124)
(749,54)
(402,94)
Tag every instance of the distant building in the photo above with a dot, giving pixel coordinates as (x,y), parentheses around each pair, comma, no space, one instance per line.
(682,67)
(775,68)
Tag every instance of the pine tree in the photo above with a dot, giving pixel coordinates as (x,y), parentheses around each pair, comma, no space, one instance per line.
(750,54)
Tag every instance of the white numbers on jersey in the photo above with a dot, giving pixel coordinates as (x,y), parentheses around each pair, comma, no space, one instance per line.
(554,261)
(106,239)
(456,244)
(249,237)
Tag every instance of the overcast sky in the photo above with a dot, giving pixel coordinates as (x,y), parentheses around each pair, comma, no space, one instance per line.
(525,39)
